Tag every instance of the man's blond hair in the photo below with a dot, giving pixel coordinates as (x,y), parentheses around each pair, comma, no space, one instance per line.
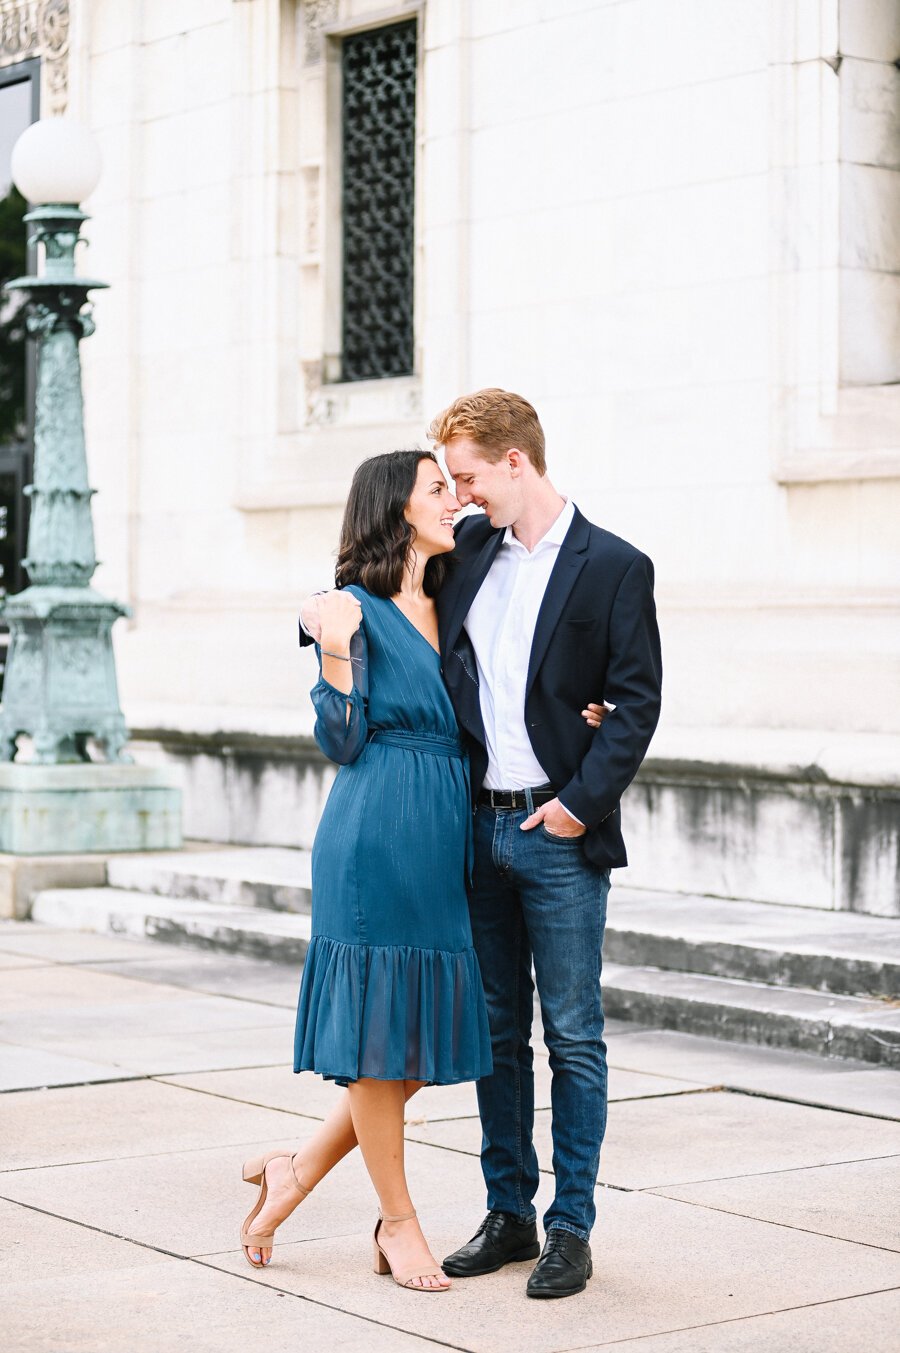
(497,420)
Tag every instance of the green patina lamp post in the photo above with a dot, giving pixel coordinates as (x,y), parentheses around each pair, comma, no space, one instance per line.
(60,685)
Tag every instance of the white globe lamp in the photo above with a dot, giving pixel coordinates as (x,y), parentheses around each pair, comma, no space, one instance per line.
(56,160)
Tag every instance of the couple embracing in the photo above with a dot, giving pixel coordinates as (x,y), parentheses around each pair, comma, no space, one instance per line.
(469,833)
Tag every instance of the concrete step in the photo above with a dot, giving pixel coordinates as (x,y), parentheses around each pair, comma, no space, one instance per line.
(753,1012)
(243,876)
(838,952)
(253,931)
(729,1008)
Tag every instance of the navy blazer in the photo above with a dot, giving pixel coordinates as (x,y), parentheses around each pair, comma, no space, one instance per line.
(596,638)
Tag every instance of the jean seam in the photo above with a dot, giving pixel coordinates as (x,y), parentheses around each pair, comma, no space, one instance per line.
(520,1163)
(591,1029)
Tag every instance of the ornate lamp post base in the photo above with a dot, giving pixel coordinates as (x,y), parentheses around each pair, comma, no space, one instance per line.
(87,809)
(61,682)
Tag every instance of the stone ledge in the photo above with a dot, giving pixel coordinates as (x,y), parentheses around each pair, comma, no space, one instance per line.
(805,755)
(21,876)
(88,808)
(866,760)
(24,775)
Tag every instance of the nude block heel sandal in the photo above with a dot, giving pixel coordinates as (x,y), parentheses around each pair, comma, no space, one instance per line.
(403,1279)
(254,1172)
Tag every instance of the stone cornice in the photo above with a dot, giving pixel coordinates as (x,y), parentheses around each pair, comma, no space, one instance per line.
(39,29)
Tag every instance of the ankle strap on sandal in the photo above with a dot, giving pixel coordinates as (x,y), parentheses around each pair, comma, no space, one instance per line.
(301,1188)
(405,1216)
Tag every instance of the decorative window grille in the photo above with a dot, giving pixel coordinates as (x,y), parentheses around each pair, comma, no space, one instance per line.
(378,171)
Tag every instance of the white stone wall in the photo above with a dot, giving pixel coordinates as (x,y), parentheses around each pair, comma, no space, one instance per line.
(671,226)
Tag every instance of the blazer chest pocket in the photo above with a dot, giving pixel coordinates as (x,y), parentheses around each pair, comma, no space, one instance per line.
(578,625)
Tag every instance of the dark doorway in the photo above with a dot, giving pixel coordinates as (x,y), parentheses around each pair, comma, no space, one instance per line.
(19,107)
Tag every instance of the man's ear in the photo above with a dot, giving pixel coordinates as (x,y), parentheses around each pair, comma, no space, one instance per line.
(514,460)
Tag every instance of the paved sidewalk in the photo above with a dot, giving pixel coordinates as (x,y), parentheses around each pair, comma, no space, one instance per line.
(747,1197)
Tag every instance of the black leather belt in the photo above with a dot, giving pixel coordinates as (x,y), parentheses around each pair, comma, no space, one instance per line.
(515,798)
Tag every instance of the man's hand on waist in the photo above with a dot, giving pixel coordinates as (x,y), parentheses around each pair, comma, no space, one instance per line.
(310,619)
(557,820)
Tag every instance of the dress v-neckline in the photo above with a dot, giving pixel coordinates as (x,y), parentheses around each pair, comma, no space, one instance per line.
(413,626)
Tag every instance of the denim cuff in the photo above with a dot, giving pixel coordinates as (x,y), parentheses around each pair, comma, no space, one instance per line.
(574,1230)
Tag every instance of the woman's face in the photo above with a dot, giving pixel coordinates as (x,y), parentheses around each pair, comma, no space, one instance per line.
(430,510)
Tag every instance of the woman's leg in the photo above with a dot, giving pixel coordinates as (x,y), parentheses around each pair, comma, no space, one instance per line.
(334,1140)
(377,1111)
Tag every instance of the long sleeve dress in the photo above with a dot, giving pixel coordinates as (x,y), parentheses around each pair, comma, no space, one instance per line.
(391,988)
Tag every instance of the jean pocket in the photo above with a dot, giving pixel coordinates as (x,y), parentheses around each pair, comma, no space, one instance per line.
(561,840)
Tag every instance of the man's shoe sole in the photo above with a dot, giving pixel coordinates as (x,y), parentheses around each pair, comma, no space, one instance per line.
(520,1257)
(570,1292)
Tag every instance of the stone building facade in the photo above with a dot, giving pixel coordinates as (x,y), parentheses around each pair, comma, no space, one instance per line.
(675,227)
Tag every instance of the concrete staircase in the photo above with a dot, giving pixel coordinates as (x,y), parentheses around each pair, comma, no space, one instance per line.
(254,901)
(788,977)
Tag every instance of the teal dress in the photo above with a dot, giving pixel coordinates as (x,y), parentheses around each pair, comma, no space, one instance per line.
(391,988)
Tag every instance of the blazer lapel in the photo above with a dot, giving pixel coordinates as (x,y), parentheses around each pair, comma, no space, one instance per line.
(570,561)
(477,572)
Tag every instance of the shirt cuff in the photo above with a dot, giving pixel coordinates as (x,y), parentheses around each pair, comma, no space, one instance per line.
(571,814)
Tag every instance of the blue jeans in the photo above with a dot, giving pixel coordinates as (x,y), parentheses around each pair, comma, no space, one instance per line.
(536,897)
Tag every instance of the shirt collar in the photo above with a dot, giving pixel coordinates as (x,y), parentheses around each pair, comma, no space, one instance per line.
(555,535)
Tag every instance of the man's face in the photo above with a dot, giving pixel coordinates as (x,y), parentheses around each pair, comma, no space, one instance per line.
(493,487)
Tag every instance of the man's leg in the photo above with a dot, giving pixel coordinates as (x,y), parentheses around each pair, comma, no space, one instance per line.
(505,1098)
(564,905)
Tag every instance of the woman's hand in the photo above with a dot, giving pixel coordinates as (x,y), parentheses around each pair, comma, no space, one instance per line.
(594,715)
(340,615)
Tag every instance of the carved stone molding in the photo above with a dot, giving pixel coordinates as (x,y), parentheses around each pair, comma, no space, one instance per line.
(316,13)
(320,408)
(311,177)
(39,28)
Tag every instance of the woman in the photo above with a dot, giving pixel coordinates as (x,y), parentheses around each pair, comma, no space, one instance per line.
(391,997)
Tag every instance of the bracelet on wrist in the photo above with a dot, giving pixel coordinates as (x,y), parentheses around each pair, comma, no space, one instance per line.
(341,657)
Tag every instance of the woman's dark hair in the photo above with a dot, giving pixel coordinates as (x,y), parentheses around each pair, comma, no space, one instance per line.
(376,538)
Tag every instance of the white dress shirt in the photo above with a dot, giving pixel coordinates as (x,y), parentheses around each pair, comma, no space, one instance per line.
(501,626)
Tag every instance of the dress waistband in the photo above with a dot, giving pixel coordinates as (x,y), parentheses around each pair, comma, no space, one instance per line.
(417,742)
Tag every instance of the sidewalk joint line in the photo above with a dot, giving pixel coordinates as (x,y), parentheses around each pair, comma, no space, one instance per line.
(232,1099)
(316,1301)
(673,1094)
(475,1155)
(141,1155)
(89,1226)
(815,1104)
(96,965)
(72,1085)
(141,1076)
(761,1174)
(213,1268)
(771,1221)
(732,1320)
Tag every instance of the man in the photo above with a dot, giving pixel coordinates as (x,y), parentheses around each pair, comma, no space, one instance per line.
(541,610)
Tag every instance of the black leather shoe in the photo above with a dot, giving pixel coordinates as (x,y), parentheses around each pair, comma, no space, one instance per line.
(563,1268)
(499,1240)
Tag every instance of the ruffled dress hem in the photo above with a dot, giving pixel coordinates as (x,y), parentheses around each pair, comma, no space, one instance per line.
(391,1012)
